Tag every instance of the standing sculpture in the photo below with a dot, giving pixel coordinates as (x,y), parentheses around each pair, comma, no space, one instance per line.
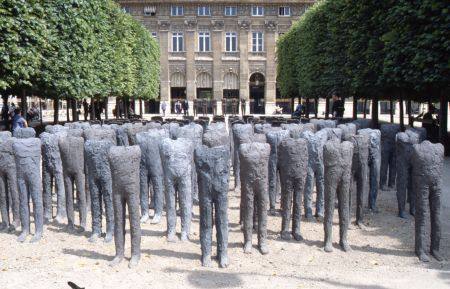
(427,170)
(388,170)
(52,169)
(151,174)
(242,133)
(28,163)
(293,155)
(254,161)
(315,171)
(213,171)
(124,162)
(176,157)
(374,164)
(338,165)
(9,194)
(72,155)
(26,132)
(100,187)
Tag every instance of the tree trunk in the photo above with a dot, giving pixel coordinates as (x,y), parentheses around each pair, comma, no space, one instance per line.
(23,100)
(316,107)
(355,107)
(126,105)
(375,123)
(140,107)
(56,110)
(443,120)
(92,108)
(41,114)
(74,104)
(365,107)
(410,117)
(106,107)
(391,109)
(402,122)
(327,107)
(68,103)
(307,108)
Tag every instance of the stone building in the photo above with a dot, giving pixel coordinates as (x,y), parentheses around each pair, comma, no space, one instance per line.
(214,53)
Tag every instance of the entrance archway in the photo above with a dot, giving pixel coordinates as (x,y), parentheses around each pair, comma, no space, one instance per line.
(230,102)
(204,101)
(257,91)
(177,89)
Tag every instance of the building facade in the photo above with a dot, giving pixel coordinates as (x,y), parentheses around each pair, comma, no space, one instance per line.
(218,52)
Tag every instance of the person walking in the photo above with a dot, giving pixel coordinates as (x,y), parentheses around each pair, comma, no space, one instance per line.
(18,121)
(163,108)
(338,106)
(186,107)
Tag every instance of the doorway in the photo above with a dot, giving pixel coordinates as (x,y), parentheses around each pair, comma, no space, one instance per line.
(257,93)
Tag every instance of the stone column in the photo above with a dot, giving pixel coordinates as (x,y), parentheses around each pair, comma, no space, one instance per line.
(271,67)
(164,60)
(217,48)
(244,26)
(190,38)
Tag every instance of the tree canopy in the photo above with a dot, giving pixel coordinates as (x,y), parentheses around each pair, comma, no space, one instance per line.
(76,49)
(367,48)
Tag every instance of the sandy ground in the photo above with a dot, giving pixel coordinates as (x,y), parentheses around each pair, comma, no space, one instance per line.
(382,257)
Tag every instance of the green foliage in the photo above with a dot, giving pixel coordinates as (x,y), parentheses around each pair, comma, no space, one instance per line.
(367,48)
(78,49)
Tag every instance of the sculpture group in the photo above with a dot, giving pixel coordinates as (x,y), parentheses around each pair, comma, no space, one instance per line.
(138,167)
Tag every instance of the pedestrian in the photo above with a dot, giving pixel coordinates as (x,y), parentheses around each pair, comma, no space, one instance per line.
(186,107)
(18,121)
(243,106)
(177,107)
(338,106)
(163,108)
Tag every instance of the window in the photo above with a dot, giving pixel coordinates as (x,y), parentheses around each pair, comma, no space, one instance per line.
(231,42)
(177,11)
(204,41)
(150,11)
(126,10)
(177,42)
(284,11)
(230,11)
(257,42)
(257,11)
(204,11)
(155,35)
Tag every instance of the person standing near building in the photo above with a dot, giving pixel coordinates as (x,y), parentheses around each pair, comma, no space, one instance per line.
(243,103)
(163,108)
(186,107)
(18,121)
(338,106)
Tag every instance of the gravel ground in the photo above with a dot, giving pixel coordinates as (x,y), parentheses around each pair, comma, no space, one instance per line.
(382,257)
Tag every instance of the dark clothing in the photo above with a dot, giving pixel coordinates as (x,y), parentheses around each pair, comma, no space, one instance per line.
(18,122)
(338,108)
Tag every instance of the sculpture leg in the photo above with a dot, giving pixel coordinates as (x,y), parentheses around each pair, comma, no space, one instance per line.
(68,186)
(373,175)
(319,189)
(297,211)
(143,183)
(205,225)
(24,210)
(47,194)
(344,209)
(11,177)
(80,181)
(392,169)
(402,180)
(135,226)
(308,192)
(286,205)
(273,175)
(106,194)
(61,213)
(421,190)
(331,180)
(158,192)
(170,209)
(86,189)
(247,215)
(360,193)
(384,166)
(194,184)
(34,186)
(4,204)
(185,199)
(237,170)
(119,227)
(96,210)
(411,196)
(262,203)
(221,217)
(435,217)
